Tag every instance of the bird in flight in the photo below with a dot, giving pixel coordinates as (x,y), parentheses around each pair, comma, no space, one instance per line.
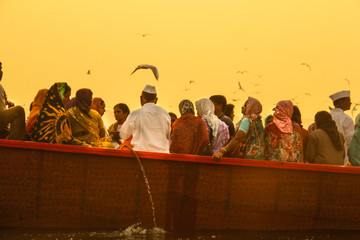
(354,109)
(242,72)
(88,72)
(240,86)
(307,94)
(307,65)
(147,66)
(348,81)
(144,34)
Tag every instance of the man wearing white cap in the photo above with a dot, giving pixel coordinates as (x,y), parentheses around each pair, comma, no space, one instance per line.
(149,126)
(344,122)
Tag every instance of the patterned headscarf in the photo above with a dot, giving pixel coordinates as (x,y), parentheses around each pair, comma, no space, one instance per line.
(282,116)
(83,100)
(253,108)
(52,124)
(62,89)
(96,104)
(186,106)
(205,109)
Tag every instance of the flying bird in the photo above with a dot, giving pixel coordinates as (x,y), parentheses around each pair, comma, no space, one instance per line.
(354,109)
(307,65)
(348,81)
(88,72)
(147,66)
(143,34)
(240,86)
(242,72)
(307,94)
(192,82)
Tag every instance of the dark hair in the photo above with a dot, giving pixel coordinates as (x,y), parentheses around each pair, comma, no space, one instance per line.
(296,117)
(172,115)
(325,122)
(67,88)
(148,96)
(219,99)
(228,109)
(123,107)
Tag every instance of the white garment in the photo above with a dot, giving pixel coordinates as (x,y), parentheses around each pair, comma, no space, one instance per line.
(2,98)
(150,127)
(345,125)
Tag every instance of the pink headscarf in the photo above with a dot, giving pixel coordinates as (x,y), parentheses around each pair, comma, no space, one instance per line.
(253,109)
(282,116)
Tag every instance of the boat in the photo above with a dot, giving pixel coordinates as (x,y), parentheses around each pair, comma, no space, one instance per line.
(63,186)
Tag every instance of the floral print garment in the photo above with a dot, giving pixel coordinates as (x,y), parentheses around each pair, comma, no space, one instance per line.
(283,147)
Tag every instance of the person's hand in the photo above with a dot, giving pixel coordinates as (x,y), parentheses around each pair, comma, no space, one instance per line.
(217,156)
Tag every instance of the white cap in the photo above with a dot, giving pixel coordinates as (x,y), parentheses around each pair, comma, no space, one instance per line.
(339,95)
(150,89)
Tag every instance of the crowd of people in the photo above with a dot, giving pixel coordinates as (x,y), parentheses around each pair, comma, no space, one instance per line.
(203,128)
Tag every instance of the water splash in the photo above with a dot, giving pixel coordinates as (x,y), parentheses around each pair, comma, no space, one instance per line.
(146,182)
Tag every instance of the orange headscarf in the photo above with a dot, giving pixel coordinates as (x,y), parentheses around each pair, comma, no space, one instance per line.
(37,104)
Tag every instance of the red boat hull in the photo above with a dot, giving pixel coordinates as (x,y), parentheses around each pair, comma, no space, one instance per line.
(61,186)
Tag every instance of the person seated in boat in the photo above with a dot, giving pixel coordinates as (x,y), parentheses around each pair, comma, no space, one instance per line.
(325,144)
(282,136)
(217,129)
(248,142)
(35,110)
(86,123)
(99,105)
(220,103)
(229,111)
(70,104)
(149,126)
(354,148)
(52,124)
(10,115)
(190,135)
(296,117)
(269,119)
(121,112)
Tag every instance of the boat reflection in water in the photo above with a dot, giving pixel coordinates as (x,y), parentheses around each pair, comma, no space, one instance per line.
(53,187)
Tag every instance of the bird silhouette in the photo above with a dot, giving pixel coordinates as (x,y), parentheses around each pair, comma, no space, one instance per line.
(354,109)
(147,66)
(240,86)
(235,99)
(88,72)
(192,82)
(242,72)
(307,94)
(348,81)
(143,34)
(307,65)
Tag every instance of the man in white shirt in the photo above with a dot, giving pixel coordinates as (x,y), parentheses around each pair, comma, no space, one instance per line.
(344,122)
(15,116)
(149,126)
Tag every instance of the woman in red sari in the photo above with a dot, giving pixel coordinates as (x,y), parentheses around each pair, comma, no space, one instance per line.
(190,135)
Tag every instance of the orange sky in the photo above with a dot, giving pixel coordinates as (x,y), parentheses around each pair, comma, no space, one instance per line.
(207,41)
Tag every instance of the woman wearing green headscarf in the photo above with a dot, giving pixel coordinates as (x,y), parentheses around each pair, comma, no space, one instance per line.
(354,148)
(52,124)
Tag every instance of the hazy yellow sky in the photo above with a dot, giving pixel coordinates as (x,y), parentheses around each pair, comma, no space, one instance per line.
(207,41)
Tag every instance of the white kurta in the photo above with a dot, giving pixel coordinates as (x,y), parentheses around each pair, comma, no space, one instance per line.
(345,124)
(150,127)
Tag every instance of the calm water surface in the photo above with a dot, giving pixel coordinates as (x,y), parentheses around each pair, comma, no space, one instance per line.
(134,232)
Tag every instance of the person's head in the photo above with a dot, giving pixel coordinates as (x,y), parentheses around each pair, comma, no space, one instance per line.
(148,95)
(64,92)
(324,121)
(173,117)
(269,119)
(220,103)
(252,107)
(83,99)
(121,111)
(341,100)
(1,72)
(204,106)
(296,117)
(99,105)
(186,106)
(229,111)
(283,110)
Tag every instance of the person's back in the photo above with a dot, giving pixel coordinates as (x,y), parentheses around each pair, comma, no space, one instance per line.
(190,135)
(150,125)
(321,150)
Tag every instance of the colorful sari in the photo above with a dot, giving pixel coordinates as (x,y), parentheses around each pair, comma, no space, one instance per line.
(52,124)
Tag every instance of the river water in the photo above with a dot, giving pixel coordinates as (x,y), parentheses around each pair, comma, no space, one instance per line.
(136,232)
